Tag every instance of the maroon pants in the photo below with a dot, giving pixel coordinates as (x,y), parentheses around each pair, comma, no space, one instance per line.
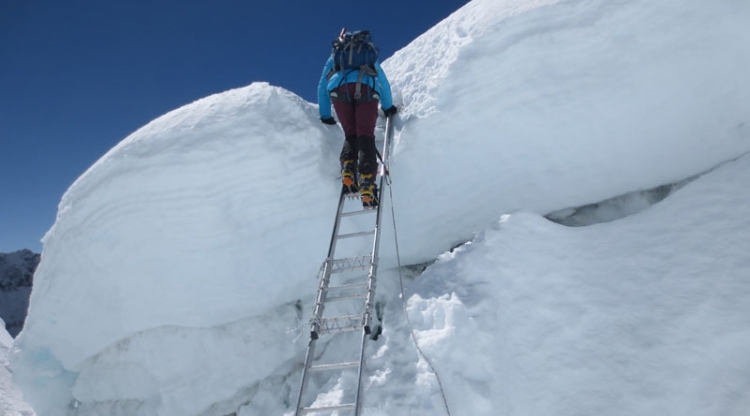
(358,118)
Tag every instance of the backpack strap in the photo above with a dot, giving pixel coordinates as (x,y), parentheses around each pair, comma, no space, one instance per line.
(363,70)
(351,51)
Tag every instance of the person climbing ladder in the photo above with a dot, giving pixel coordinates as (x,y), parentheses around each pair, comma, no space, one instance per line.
(354,82)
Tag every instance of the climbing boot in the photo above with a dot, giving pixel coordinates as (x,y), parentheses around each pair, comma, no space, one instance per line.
(349,178)
(368,191)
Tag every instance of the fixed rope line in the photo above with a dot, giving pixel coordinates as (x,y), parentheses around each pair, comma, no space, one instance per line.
(403,301)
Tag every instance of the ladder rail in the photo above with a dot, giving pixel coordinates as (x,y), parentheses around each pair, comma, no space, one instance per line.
(374,266)
(305,375)
(336,225)
(318,310)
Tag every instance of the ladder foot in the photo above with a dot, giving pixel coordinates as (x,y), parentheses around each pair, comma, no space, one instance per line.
(377,333)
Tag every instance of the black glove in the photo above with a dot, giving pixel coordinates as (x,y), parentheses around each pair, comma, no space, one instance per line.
(390,110)
(328,120)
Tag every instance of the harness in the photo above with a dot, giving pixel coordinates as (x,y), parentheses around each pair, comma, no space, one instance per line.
(363,70)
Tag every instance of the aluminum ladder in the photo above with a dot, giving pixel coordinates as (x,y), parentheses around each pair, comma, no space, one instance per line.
(358,294)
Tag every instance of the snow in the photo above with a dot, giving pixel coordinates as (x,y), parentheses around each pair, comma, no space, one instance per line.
(637,316)
(564,104)
(180,273)
(5,343)
(11,400)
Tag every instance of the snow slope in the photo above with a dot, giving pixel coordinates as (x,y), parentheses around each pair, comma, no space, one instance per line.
(647,315)
(551,104)
(191,259)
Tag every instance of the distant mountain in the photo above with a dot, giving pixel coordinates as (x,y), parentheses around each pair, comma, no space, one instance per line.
(16,278)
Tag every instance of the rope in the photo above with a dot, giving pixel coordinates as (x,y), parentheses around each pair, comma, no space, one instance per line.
(403,301)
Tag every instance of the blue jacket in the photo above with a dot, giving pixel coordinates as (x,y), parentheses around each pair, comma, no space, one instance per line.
(325,86)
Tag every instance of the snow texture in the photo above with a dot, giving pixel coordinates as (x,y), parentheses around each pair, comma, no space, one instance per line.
(181,267)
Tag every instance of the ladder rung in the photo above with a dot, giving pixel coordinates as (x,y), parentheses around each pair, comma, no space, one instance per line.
(358,212)
(336,330)
(328,408)
(336,366)
(343,318)
(349,286)
(345,297)
(339,329)
(344,323)
(359,234)
(351,263)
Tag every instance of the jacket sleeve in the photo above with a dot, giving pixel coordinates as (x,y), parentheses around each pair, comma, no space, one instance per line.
(324,99)
(386,98)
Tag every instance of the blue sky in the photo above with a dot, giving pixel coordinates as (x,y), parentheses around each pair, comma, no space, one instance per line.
(78,76)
